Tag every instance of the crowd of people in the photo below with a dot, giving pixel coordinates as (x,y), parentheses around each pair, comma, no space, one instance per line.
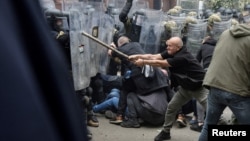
(148,88)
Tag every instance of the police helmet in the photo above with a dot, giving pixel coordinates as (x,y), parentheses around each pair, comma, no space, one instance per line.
(207,13)
(234,22)
(221,10)
(139,17)
(190,19)
(178,8)
(192,14)
(87,8)
(169,25)
(110,8)
(247,7)
(228,11)
(173,12)
(214,18)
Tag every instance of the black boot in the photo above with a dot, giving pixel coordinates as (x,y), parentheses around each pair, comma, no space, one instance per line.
(163,136)
(130,123)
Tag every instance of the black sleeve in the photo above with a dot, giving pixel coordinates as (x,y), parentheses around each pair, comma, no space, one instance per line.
(124,13)
(165,54)
(199,55)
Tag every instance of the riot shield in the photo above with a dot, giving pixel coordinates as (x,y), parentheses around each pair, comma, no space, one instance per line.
(86,54)
(96,21)
(72,4)
(113,10)
(106,27)
(179,20)
(219,27)
(117,3)
(76,9)
(80,52)
(195,34)
(151,31)
(226,17)
(176,32)
(100,24)
(47,4)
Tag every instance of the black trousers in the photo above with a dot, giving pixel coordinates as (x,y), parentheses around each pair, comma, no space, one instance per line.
(136,110)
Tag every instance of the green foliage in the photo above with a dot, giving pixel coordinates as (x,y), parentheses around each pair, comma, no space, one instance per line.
(233,4)
(189,4)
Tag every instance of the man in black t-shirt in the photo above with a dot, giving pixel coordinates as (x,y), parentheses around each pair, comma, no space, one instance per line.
(186,73)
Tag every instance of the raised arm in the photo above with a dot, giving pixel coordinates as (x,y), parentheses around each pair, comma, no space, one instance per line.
(125,10)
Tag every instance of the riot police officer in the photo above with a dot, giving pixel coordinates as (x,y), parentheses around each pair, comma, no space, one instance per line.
(132,25)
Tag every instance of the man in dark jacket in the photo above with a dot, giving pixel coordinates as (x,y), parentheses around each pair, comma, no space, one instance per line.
(132,25)
(204,55)
(144,96)
(186,72)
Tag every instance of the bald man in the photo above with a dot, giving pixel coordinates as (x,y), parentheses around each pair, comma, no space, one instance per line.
(186,73)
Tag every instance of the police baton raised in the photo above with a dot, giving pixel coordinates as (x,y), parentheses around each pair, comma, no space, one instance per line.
(104,44)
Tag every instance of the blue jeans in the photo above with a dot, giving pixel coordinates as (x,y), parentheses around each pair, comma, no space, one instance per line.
(111,102)
(218,100)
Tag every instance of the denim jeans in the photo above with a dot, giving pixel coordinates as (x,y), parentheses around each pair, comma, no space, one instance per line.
(111,102)
(200,112)
(218,100)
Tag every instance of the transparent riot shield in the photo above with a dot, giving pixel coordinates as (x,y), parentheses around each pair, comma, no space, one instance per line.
(80,52)
(72,4)
(219,27)
(100,24)
(150,37)
(106,28)
(47,4)
(117,3)
(76,9)
(176,32)
(99,5)
(114,8)
(180,21)
(195,34)
(94,27)
(226,17)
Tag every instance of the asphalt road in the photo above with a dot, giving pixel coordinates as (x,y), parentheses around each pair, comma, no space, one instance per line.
(112,132)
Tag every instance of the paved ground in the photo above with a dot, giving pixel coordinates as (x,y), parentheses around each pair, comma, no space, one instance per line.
(111,132)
